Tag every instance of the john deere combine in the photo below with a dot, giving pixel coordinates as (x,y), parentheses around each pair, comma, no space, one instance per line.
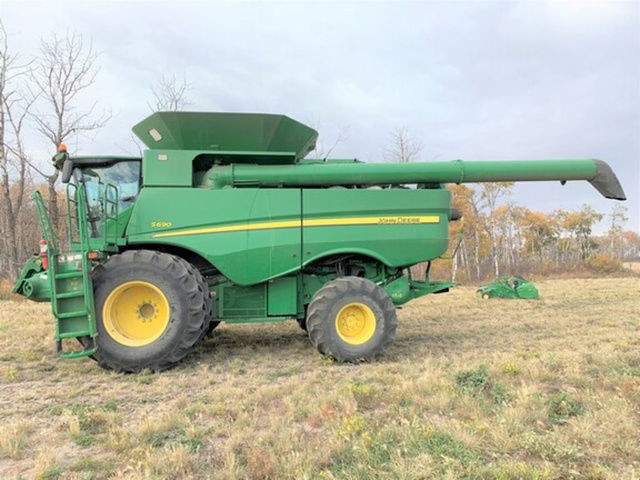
(224,219)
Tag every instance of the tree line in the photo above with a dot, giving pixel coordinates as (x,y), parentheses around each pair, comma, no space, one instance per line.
(500,237)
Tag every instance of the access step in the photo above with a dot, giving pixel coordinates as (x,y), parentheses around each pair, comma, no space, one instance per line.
(61,276)
(75,294)
(76,334)
(77,354)
(82,313)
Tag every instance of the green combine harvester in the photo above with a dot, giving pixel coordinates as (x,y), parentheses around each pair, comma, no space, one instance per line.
(224,219)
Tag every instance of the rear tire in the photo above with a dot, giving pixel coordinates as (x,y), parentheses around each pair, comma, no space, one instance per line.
(209,324)
(351,319)
(151,308)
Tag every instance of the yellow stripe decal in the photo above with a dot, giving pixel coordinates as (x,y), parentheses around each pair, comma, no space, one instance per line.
(315,222)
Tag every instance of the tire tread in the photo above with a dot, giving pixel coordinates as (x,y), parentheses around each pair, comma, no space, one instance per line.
(324,299)
(199,309)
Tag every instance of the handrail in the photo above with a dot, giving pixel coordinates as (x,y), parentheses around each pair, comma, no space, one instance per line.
(48,232)
(82,221)
(83,230)
(110,199)
(72,206)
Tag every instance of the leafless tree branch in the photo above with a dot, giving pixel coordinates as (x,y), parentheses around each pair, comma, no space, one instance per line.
(404,148)
(65,68)
(169,94)
(15,104)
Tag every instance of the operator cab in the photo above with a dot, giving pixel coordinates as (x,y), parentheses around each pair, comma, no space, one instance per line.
(107,181)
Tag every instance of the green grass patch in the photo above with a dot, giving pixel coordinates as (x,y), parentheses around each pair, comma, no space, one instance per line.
(56,410)
(441,444)
(89,464)
(627,371)
(52,473)
(474,381)
(109,406)
(83,439)
(477,383)
(173,437)
(499,394)
(562,406)
(369,450)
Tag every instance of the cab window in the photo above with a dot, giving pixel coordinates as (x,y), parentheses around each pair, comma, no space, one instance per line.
(123,175)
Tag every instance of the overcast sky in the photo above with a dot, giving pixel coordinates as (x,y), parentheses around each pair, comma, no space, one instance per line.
(470,80)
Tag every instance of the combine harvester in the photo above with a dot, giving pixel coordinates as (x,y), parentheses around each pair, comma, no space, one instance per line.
(223,219)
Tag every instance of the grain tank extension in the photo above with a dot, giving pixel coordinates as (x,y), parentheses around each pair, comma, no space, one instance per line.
(224,219)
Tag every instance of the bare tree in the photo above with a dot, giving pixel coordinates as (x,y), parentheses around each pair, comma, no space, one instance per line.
(491,193)
(65,68)
(169,94)
(619,218)
(404,147)
(15,103)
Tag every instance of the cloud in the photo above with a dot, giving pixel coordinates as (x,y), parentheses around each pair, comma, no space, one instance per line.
(470,80)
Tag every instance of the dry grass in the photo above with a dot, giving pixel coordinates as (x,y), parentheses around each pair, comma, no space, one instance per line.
(470,389)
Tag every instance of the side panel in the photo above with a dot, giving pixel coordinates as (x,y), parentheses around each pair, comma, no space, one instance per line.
(167,168)
(283,296)
(232,228)
(400,227)
(234,302)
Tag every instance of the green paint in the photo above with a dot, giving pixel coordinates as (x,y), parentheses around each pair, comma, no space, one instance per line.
(238,134)
(282,296)
(509,287)
(33,282)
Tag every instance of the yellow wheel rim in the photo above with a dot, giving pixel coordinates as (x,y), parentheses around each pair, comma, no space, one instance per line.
(355,323)
(135,313)
(485,296)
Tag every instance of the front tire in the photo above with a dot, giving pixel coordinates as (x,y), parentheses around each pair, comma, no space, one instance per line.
(351,319)
(151,308)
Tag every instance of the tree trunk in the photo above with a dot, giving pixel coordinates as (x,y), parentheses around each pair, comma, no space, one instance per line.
(14,260)
(454,267)
(494,250)
(476,238)
(465,257)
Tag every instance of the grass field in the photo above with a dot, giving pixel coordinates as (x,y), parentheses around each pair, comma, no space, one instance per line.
(470,389)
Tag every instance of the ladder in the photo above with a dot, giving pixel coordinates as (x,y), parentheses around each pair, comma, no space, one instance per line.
(69,275)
